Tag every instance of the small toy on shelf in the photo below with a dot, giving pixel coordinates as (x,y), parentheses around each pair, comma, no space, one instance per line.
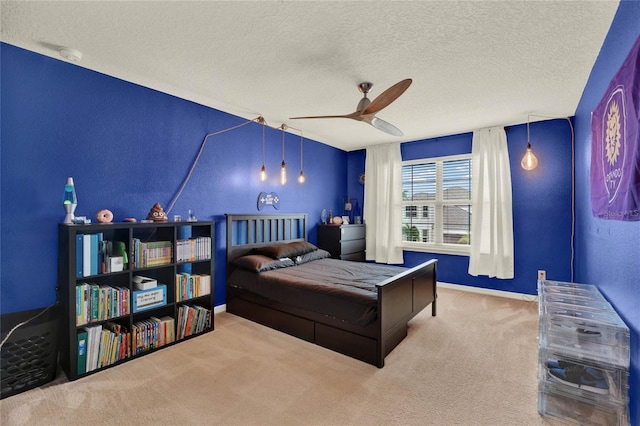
(157,213)
(104,216)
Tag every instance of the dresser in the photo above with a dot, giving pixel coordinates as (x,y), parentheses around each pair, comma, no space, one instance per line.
(346,242)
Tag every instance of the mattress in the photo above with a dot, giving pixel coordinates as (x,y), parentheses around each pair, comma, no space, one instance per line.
(336,288)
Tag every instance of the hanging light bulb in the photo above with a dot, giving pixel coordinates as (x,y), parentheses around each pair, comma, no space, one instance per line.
(263,171)
(301,178)
(529,161)
(283,167)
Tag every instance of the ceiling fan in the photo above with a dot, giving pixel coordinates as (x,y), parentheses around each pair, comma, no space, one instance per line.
(367,109)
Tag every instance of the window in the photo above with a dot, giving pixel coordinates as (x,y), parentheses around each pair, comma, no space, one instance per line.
(436,204)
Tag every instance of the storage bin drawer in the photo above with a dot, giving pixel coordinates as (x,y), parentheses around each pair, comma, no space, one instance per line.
(577,411)
(598,383)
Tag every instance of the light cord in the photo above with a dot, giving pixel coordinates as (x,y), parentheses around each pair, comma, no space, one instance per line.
(193,166)
(573,186)
(23,323)
(259,119)
(573,197)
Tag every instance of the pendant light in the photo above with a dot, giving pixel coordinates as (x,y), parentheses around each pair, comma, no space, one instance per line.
(283,167)
(263,171)
(301,178)
(529,161)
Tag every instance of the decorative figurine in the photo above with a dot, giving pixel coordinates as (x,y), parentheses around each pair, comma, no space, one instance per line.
(104,216)
(157,214)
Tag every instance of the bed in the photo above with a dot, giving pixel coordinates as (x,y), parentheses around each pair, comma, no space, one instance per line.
(278,279)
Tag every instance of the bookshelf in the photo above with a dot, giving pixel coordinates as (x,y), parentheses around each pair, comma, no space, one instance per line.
(129,289)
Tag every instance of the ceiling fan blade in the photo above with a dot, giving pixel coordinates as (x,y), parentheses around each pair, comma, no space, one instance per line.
(385,126)
(325,116)
(354,115)
(385,98)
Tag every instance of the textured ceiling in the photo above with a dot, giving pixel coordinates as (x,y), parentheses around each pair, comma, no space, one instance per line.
(474,64)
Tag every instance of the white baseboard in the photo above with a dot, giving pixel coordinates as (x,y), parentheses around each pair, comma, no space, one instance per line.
(220,308)
(490,292)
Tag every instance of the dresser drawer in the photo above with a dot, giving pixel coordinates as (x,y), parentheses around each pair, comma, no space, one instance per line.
(355,257)
(352,232)
(352,246)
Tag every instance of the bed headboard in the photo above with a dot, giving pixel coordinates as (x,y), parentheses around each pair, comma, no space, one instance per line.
(247,231)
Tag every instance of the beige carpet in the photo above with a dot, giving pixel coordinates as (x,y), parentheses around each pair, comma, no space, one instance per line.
(473,364)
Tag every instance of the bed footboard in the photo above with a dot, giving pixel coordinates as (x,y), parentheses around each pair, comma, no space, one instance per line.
(399,300)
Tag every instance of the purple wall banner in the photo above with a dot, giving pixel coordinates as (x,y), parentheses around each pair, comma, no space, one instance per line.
(615,145)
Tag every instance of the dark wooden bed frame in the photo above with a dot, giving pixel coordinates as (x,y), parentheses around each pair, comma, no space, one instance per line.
(400,298)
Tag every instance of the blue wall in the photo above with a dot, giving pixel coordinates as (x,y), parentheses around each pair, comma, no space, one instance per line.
(541,206)
(608,251)
(128,147)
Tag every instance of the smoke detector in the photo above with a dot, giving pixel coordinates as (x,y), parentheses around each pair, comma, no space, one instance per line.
(70,54)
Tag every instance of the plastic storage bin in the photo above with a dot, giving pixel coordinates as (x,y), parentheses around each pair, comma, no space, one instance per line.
(585,332)
(591,381)
(575,410)
(583,354)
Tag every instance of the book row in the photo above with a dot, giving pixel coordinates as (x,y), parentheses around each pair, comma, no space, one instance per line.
(192,320)
(152,333)
(100,302)
(100,346)
(189,286)
(150,254)
(94,255)
(193,249)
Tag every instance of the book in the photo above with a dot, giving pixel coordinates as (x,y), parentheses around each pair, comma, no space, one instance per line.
(94,302)
(79,255)
(82,352)
(100,253)
(93,260)
(86,255)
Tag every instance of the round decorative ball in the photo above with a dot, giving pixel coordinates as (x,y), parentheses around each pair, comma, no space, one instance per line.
(337,220)
(104,216)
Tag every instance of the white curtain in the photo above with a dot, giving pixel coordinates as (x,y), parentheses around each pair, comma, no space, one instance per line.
(383,203)
(492,220)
